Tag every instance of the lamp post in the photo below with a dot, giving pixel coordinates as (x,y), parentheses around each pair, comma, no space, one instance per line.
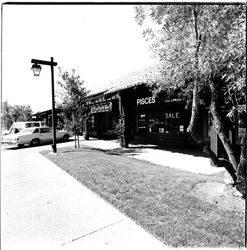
(36,71)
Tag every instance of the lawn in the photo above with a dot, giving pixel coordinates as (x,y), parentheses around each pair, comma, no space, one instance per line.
(160,199)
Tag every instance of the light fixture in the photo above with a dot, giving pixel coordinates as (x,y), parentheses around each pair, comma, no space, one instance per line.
(36,69)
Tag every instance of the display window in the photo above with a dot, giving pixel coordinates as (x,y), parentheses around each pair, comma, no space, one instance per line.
(92,121)
(111,120)
(240,129)
(141,124)
(156,123)
(166,123)
(173,126)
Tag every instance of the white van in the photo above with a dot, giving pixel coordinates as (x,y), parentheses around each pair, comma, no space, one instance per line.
(18,126)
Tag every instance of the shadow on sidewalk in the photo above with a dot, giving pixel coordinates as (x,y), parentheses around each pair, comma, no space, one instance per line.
(115,151)
(189,150)
(136,148)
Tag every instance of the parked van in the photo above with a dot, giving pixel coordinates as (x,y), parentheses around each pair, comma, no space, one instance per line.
(18,126)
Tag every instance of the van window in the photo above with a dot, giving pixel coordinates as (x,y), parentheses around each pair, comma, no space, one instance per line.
(32,124)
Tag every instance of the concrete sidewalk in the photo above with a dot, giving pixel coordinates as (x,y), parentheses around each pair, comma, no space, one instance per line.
(45,208)
(186,162)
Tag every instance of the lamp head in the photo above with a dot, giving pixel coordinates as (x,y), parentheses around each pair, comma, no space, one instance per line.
(36,69)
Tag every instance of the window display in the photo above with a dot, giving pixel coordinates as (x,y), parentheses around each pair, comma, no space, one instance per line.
(156,123)
(166,123)
(92,121)
(141,123)
(172,126)
(240,129)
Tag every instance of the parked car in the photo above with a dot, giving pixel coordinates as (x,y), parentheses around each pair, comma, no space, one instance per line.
(35,136)
(18,126)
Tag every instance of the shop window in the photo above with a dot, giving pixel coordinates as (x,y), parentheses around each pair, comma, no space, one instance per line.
(92,121)
(156,123)
(141,123)
(166,123)
(240,129)
(111,120)
(173,126)
(173,123)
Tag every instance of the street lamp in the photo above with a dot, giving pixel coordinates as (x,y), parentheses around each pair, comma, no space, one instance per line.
(36,71)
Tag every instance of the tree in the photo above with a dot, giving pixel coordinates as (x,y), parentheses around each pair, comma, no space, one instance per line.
(21,113)
(202,48)
(72,95)
(7,118)
(16,113)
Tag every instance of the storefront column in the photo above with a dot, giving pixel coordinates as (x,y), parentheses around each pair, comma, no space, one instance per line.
(85,125)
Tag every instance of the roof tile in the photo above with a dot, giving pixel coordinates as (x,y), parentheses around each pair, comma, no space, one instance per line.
(146,75)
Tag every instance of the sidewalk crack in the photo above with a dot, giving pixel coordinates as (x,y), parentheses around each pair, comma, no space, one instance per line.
(31,180)
(95,231)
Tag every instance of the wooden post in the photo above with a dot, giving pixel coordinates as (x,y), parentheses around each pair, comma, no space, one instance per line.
(74,129)
(85,125)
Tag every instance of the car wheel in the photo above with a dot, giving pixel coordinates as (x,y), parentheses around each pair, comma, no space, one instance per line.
(21,145)
(35,142)
(66,137)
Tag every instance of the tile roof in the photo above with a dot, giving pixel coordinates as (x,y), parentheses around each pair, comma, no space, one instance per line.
(148,75)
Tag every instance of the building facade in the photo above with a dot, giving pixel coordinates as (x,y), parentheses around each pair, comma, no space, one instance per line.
(151,119)
(46,117)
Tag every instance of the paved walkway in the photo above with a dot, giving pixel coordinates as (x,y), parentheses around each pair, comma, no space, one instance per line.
(186,162)
(42,207)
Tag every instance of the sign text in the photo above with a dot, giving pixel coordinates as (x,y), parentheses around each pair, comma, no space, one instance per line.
(105,107)
(172,115)
(145,100)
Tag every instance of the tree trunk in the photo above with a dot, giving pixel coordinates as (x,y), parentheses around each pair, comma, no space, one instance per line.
(124,138)
(220,126)
(192,130)
(74,129)
(194,112)
(124,143)
(242,167)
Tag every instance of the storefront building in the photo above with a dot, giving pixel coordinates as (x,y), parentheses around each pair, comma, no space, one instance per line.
(151,119)
(148,118)
(46,117)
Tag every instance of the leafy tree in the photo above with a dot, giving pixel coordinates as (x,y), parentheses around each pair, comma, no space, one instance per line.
(21,113)
(16,113)
(6,116)
(72,95)
(202,49)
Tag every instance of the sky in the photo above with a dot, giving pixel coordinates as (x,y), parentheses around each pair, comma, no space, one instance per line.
(101,42)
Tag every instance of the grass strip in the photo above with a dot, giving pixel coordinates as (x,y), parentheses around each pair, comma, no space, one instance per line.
(160,199)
